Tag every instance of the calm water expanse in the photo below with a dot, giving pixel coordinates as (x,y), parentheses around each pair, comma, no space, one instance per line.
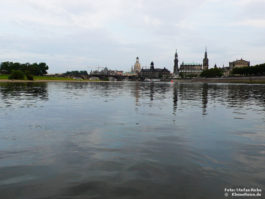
(130,140)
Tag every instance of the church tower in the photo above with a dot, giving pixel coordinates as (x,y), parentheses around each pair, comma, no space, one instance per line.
(137,66)
(152,66)
(176,63)
(205,61)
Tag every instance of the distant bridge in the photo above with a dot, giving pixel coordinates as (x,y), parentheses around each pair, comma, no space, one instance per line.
(117,77)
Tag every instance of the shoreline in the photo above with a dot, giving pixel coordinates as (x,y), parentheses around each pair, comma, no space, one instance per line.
(39,81)
(248,80)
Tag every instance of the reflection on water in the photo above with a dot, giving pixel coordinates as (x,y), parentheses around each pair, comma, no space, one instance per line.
(130,140)
(29,92)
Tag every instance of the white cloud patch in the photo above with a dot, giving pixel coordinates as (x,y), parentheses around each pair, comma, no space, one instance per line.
(259,23)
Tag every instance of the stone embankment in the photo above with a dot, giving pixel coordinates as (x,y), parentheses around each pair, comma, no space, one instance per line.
(256,79)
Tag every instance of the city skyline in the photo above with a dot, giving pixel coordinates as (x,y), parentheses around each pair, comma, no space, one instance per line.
(70,35)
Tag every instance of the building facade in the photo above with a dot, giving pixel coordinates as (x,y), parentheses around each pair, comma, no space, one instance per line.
(154,73)
(137,66)
(192,69)
(238,64)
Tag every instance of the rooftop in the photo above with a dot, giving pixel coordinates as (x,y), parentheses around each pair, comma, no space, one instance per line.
(191,64)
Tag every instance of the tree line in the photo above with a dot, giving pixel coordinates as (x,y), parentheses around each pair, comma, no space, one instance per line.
(247,71)
(213,72)
(38,69)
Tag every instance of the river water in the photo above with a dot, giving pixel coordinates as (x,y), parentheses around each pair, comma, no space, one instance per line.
(130,140)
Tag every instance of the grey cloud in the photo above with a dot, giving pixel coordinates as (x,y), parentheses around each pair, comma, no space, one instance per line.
(112,33)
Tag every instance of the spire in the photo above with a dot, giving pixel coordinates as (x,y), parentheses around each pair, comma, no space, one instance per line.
(205,60)
(152,67)
(176,63)
(176,54)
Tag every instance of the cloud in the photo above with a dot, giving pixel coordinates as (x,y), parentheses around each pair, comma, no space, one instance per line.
(259,23)
(113,32)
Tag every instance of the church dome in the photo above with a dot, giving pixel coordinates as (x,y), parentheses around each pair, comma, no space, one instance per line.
(137,65)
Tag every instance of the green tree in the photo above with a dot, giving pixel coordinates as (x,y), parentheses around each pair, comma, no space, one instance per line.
(17,74)
(29,75)
(34,69)
(43,67)
(252,70)
(213,72)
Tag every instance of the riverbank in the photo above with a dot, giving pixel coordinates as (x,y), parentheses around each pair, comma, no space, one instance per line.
(38,81)
(248,80)
(4,78)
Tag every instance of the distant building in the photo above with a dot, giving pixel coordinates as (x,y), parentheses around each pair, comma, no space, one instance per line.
(154,73)
(115,73)
(205,62)
(235,64)
(226,71)
(176,64)
(119,72)
(107,72)
(192,69)
(137,66)
(238,64)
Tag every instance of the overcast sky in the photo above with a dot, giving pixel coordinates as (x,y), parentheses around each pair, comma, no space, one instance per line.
(78,34)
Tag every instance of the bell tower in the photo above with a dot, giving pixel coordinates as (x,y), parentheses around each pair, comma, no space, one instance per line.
(152,67)
(176,63)
(137,66)
(205,61)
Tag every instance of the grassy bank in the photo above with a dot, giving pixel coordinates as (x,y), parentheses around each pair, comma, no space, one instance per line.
(52,78)
(3,76)
(248,80)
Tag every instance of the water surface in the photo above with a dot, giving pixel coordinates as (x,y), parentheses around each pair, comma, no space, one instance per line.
(130,140)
